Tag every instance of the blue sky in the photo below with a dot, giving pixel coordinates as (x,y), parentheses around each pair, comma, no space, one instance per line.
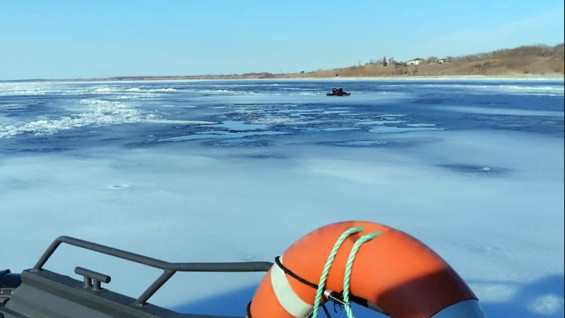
(102,38)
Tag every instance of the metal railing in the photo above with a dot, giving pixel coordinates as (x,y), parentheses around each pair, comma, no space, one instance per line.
(169,269)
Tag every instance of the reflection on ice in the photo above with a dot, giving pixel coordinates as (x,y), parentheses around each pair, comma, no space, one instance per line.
(473,169)
(503,111)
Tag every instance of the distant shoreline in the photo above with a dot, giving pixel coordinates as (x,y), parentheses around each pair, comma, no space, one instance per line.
(551,76)
(228,78)
(525,62)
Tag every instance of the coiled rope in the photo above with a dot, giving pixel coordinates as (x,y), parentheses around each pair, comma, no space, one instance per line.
(319,291)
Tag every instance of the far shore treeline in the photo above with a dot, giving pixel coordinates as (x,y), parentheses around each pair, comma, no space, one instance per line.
(523,61)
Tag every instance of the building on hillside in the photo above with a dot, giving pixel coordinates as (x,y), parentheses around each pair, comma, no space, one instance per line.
(415,61)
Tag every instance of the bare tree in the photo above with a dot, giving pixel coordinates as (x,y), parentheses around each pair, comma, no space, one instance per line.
(432,60)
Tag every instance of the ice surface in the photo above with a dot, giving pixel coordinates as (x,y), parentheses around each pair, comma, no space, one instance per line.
(239,170)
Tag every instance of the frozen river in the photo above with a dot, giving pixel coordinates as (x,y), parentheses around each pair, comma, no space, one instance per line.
(193,171)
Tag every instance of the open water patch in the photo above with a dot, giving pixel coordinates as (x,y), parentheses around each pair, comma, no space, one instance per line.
(232,125)
(395,130)
(244,143)
(221,135)
(364,143)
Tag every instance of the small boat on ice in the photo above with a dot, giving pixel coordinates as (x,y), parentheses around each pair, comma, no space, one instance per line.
(338,92)
(370,264)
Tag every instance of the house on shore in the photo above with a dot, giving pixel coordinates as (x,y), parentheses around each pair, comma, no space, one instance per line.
(415,61)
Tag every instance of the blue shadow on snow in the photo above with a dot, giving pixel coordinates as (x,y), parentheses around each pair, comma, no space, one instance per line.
(542,298)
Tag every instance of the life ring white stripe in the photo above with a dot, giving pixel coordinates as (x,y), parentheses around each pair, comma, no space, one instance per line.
(293,304)
(462,309)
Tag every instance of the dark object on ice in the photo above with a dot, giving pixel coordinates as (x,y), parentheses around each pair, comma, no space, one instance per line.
(338,92)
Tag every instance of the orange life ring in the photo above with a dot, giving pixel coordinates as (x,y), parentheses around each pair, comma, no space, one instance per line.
(394,271)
